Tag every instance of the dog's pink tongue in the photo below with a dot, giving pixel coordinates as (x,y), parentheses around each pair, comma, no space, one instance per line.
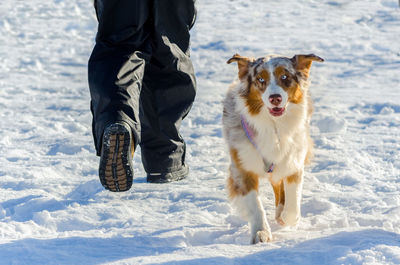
(277,111)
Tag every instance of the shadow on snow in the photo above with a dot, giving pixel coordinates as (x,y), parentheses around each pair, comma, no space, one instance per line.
(325,250)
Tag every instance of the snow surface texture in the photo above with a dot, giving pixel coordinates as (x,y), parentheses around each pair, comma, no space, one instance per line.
(53,209)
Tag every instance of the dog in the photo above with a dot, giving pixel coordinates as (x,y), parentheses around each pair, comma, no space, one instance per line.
(266,120)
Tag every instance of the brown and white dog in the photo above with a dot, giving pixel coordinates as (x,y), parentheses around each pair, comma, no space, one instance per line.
(266,126)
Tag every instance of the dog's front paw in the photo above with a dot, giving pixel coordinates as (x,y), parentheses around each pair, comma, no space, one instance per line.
(288,218)
(262,236)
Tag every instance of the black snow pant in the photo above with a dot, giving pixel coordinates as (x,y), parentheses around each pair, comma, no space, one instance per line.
(140,72)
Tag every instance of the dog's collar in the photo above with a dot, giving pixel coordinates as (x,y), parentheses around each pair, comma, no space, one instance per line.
(250,135)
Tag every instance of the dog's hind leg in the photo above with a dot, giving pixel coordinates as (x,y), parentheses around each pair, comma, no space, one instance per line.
(279,192)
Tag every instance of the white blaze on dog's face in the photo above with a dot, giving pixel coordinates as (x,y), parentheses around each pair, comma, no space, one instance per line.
(273,82)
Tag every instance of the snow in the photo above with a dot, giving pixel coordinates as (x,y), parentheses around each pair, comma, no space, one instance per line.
(53,209)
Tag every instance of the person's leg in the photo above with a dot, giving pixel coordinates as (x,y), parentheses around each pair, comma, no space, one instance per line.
(115,72)
(168,91)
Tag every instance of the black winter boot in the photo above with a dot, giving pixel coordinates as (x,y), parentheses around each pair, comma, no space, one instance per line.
(169,176)
(115,170)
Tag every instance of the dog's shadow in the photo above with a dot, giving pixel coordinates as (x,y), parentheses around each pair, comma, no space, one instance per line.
(334,249)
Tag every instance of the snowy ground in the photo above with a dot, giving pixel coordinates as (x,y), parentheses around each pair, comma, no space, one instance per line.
(53,209)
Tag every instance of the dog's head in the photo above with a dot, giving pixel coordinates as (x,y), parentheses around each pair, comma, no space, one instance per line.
(273,81)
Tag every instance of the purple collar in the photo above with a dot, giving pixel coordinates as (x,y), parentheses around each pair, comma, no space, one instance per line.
(250,135)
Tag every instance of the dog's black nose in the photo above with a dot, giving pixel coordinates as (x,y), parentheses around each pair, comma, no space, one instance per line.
(275,99)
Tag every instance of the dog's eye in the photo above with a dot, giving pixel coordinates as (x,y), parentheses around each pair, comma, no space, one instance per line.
(261,80)
(284,77)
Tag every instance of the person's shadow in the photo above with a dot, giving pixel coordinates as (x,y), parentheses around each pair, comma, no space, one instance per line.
(81,250)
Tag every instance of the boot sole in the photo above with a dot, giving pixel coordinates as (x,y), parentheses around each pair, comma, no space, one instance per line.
(115,171)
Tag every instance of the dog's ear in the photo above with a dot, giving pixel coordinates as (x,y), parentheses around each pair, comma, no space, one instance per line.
(243,64)
(302,63)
